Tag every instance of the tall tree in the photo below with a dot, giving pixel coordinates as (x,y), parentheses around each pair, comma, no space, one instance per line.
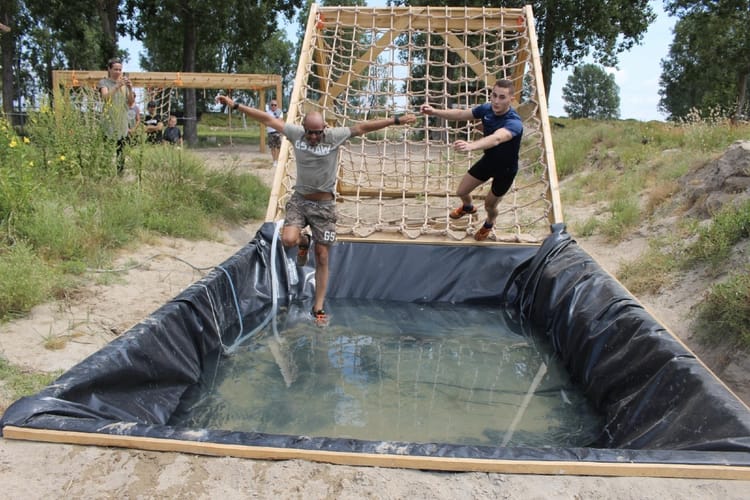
(8,39)
(568,31)
(708,65)
(591,93)
(230,34)
(274,58)
(109,14)
(65,34)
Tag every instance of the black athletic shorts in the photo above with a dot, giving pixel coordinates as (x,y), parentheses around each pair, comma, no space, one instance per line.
(502,176)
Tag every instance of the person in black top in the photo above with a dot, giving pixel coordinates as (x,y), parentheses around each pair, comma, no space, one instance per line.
(154,124)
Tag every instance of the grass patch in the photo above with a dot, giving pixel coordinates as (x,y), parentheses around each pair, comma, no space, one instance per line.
(618,162)
(723,315)
(716,241)
(19,382)
(587,227)
(625,216)
(650,272)
(25,280)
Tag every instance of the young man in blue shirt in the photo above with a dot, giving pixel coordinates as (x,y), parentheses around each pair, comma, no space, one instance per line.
(501,143)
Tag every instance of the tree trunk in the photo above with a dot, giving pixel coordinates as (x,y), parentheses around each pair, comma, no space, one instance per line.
(108,13)
(189,47)
(546,56)
(8,50)
(742,106)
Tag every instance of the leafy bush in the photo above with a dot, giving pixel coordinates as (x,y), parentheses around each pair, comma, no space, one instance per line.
(715,241)
(25,280)
(17,183)
(64,209)
(724,315)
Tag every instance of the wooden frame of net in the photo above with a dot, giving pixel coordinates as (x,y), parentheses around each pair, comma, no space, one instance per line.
(164,83)
(360,63)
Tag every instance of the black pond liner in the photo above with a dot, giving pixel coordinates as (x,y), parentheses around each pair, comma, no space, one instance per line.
(661,405)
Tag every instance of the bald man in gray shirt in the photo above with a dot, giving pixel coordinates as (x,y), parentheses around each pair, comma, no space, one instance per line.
(313,202)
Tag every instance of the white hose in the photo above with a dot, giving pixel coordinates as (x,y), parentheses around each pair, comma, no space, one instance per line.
(274,297)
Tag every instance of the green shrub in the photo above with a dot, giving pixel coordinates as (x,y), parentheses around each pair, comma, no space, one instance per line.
(715,241)
(25,280)
(724,315)
(19,382)
(64,209)
(17,179)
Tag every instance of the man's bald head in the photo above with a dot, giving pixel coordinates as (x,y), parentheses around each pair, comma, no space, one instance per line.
(313,121)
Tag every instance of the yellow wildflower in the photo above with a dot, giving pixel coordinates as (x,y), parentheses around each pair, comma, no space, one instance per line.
(26,140)
(62,157)
(13,143)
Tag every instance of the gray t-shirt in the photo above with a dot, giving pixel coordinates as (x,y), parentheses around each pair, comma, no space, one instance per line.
(114,110)
(316,165)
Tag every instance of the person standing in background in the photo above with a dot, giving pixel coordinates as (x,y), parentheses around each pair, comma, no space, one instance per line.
(115,91)
(274,136)
(154,124)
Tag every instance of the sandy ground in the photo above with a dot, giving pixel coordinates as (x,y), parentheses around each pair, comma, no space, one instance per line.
(85,322)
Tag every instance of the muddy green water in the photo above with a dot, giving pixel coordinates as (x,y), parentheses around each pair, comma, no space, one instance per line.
(392,371)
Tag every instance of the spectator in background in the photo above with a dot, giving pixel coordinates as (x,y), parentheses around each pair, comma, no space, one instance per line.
(274,136)
(172,133)
(154,124)
(115,90)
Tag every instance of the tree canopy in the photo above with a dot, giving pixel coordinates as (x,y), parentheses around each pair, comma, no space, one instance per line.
(708,64)
(591,93)
(707,68)
(570,31)
(179,35)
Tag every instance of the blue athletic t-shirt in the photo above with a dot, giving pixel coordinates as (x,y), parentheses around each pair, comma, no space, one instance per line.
(507,151)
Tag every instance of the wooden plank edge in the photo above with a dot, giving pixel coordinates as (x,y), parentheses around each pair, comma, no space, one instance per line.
(556,467)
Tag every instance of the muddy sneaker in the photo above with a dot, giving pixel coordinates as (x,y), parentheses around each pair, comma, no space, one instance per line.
(461,211)
(319,317)
(302,250)
(483,232)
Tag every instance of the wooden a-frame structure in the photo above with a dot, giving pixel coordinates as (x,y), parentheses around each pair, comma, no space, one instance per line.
(234,81)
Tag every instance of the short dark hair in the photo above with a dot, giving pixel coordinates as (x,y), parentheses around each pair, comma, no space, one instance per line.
(113,61)
(151,104)
(506,84)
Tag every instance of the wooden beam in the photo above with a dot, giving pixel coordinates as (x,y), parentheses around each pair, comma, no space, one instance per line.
(551,467)
(468,57)
(367,58)
(553,191)
(297,99)
(234,81)
(424,18)
(363,192)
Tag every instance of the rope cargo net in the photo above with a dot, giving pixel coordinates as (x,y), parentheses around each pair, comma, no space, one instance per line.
(86,97)
(361,63)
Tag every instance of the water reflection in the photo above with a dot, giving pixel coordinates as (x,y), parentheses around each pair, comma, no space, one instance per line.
(395,371)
